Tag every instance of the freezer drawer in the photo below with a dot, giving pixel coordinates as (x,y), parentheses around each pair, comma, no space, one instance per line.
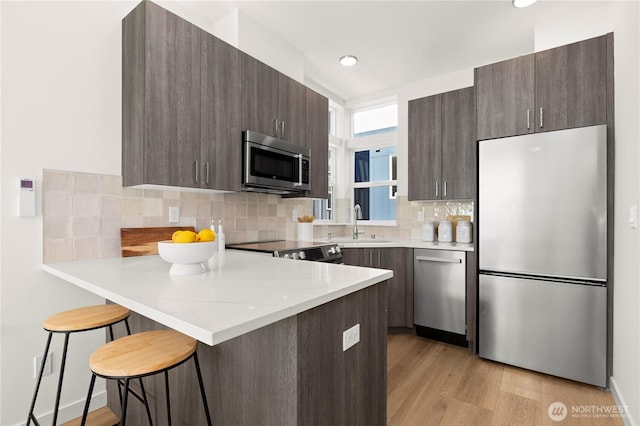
(439,283)
(551,327)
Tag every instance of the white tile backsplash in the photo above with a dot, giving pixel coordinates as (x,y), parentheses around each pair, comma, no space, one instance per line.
(83,214)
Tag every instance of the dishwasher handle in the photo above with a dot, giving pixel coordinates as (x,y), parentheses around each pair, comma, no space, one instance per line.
(438,259)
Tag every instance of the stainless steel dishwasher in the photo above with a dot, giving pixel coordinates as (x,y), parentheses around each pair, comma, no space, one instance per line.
(439,283)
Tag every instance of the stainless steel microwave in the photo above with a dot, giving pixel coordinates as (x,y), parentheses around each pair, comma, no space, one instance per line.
(274,165)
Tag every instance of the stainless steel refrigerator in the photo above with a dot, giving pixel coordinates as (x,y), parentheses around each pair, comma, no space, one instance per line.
(542,223)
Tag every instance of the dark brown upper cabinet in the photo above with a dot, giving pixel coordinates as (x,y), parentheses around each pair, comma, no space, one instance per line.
(442,163)
(276,105)
(317,139)
(571,85)
(555,89)
(505,103)
(181,104)
(272,103)
(161,98)
(221,134)
(187,96)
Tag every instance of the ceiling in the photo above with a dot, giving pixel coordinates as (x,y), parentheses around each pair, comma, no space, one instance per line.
(397,42)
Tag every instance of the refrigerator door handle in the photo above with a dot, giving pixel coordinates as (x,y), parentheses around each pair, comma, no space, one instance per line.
(438,259)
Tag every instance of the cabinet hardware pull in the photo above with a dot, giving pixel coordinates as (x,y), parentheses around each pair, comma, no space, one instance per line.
(437,189)
(528,119)
(370,259)
(275,127)
(378,258)
(282,129)
(444,190)
(541,115)
(207,175)
(196,172)
(437,259)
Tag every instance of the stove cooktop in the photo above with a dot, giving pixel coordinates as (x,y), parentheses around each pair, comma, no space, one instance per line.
(271,246)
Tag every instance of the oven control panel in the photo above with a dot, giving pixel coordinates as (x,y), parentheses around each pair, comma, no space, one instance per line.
(325,253)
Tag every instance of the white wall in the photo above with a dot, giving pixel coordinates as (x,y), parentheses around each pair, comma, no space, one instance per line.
(61,107)
(625,18)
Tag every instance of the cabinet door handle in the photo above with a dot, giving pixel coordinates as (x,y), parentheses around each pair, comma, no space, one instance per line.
(528,119)
(444,189)
(207,173)
(282,129)
(437,189)
(379,258)
(437,259)
(275,127)
(541,117)
(370,258)
(196,172)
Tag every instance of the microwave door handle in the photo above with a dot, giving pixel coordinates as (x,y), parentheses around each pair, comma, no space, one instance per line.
(247,165)
(299,183)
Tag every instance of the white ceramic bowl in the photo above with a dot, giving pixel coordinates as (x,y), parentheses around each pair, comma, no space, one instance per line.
(186,258)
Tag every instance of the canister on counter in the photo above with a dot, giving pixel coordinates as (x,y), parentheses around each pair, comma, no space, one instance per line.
(445,231)
(463,232)
(428,230)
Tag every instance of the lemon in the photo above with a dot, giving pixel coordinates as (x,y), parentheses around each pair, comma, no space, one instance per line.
(206,235)
(183,237)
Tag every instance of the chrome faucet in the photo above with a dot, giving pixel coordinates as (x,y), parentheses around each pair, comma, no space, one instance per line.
(357,214)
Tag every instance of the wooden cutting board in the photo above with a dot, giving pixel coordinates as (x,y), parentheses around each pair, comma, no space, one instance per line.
(144,241)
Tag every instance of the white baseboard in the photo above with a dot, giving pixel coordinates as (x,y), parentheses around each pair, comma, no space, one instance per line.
(619,399)
(71,411)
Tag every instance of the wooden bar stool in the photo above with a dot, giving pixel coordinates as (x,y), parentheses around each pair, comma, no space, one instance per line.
(74,321)
(140,355)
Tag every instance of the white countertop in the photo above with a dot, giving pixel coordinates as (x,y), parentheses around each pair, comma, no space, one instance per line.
(241,292)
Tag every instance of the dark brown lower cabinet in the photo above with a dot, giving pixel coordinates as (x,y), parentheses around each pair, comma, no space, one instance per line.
(292,372)
(400,261)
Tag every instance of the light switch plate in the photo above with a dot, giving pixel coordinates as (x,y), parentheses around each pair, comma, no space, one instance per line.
(174,214)
(633,217)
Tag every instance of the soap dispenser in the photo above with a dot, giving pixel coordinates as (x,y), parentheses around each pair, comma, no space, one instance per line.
(220,237)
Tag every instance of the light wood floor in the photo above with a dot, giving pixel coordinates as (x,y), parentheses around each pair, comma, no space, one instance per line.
(433,383)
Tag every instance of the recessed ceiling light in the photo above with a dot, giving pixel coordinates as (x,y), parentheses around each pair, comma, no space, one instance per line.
(523,3)
(348,60)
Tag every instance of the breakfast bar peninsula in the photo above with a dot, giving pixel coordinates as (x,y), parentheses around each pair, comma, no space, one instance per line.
(273,345)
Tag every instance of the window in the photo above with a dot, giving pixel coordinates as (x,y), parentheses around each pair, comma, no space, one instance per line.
(323,208)
(375,164)
(375,183)
(333,113)
(373,121)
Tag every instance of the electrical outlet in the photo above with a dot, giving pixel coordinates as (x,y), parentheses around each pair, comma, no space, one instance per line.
(350,337)
(37,362)
(294,215)
(174,214)
(421,215)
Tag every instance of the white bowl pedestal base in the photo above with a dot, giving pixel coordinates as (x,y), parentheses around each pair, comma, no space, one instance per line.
(187,269)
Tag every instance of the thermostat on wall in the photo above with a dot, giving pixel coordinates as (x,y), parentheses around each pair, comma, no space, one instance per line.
(27,202)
